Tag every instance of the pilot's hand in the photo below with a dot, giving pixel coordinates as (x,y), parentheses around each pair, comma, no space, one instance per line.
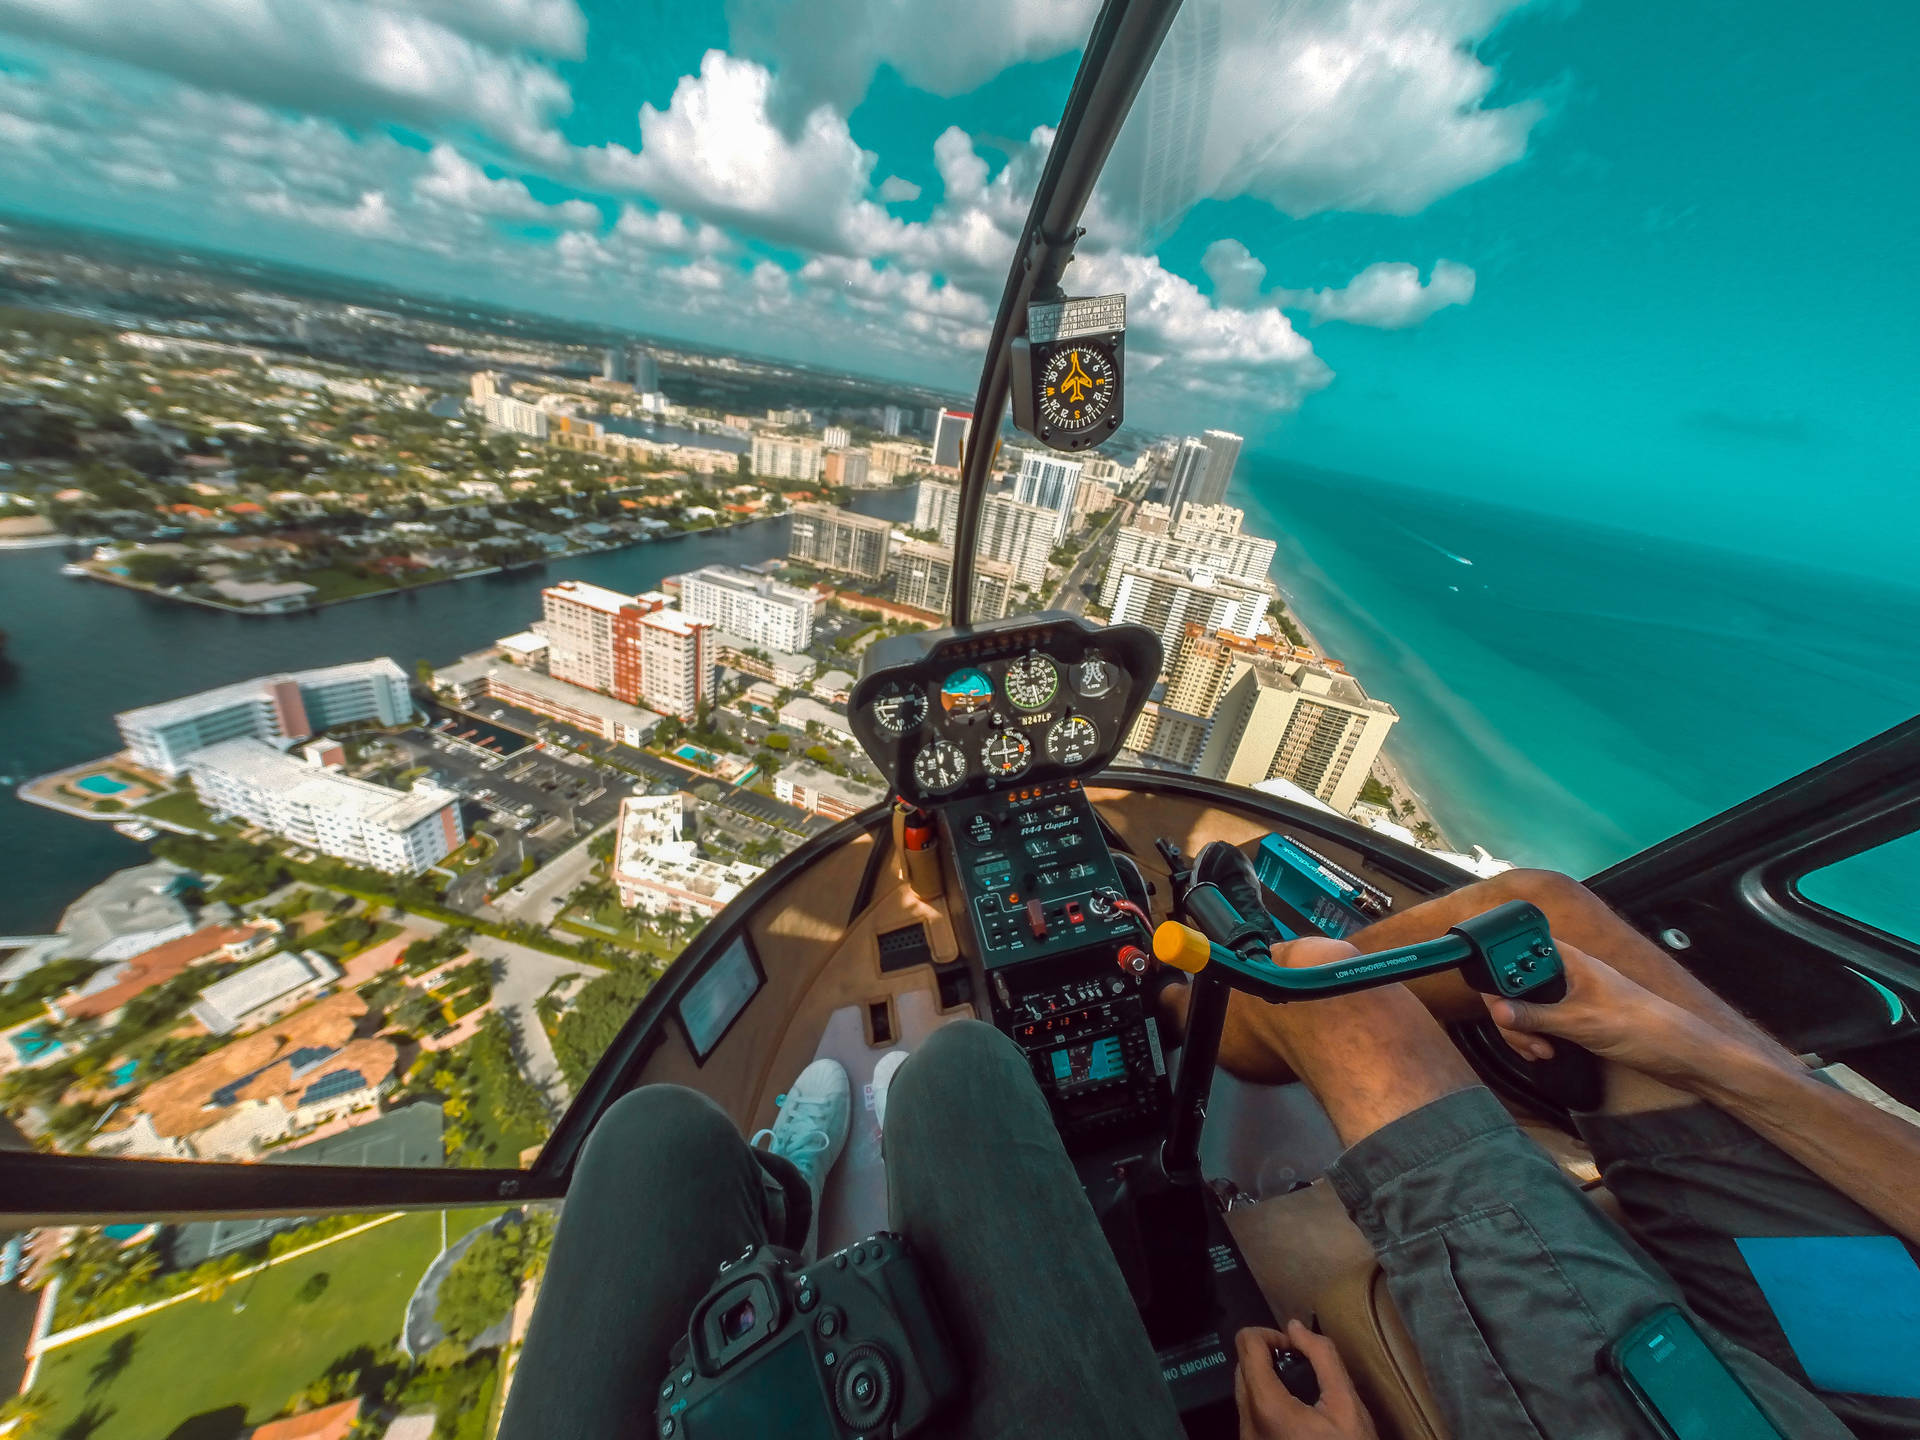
(1268,1410)
(1616,1018)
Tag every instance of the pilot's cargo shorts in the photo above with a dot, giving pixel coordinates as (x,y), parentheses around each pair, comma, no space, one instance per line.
(1512,1283)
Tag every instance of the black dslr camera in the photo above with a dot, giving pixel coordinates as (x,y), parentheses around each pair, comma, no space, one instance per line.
(848,1349)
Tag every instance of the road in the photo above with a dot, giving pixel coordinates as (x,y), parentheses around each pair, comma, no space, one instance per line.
(520,977)
(540,897)
(1069,596)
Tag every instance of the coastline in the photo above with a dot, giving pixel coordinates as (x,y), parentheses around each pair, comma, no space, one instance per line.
(1385,767)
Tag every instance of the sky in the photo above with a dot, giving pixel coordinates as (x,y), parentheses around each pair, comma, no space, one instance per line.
(1632,262)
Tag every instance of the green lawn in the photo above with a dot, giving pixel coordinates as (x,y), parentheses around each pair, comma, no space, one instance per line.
(341,584)
(182,807)
(199,1356)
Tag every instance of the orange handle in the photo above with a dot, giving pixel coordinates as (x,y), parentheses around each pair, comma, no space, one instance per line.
(1181,947)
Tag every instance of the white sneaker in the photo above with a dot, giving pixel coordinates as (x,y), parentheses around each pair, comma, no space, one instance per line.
(883,1074)
(811,1130)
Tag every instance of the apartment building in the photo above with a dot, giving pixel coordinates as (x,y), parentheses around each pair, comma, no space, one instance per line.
(786,457)
(593,636)
(1052,484)
(836,539)
(756,608)
(401,832)
(279,709)
(676,663)
(1204,537)
(923,578)
(1168,600)
(1302,722)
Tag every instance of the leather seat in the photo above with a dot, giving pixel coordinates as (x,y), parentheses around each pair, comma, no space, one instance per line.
(1312,1261)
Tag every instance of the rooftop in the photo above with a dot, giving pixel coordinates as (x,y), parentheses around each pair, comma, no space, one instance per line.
(729,577)
(673,620)
(223,1004)
(652,854)
(256,763)
(596,596)
(109,989)
(558,692)
(329,1422)
(813,777)
(243,692)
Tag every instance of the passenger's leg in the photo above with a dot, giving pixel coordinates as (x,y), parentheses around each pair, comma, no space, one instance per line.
(979,1184)
(666,1189)
(1510,1281)
(1576,916)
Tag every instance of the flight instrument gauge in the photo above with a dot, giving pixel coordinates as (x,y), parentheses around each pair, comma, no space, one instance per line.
(1094,676)
(1069,371)
(898,711)
(1032,681)
(1072,741)
(1007,754)
(939,767)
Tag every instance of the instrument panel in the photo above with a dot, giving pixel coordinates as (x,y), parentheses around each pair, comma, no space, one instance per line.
(950,715)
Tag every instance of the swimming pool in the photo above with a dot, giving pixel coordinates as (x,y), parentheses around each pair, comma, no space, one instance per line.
(30,1045)
(101,785)
(694,755)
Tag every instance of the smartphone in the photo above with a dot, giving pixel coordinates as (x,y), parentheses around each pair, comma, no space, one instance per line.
(1685,1390)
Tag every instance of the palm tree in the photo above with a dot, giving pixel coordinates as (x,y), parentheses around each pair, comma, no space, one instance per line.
(220,1276)
(28,1413)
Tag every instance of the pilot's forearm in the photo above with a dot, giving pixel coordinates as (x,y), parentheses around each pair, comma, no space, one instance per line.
(1865,1153)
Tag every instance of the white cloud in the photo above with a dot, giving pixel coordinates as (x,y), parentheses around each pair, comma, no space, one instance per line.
(1316,105)
(353,60)
(547,27)
(1387,295)
(896,188)
(715,151)
(664,230)
(455,181)
(826,51)
(1235,274)
(370,217)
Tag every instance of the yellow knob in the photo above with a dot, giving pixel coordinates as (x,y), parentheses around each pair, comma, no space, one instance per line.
(1183,948)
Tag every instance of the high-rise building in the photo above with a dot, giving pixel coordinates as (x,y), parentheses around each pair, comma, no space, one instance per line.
(593,637)
(613,364)
(1017,535)
(1167,601)
(923,577)
(950,431)
(836,539)
(757,608)
(486,384)
(1188,475)
(1052,484)
(1223,453)
(1301,722)
(851,468)
(399,831)
(890,420)
(643,370)
(836,437)
(1205,537)
(506,413)
(279,709)
(676,663)
(786,457)
(936,507)
(893,458)
(1090,498)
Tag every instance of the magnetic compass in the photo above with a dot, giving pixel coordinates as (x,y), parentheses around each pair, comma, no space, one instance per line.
(1068,371)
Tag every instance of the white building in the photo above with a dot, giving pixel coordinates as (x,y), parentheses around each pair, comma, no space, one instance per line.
(1205,537)
(1052,484)
(757,608)
(836,437)
(936,507)
(1188,480)
(657,867)
(1167,601)
(264,991)
(1223,453)
(1017,535)
(1299,722)
(843,540)
(786,457)
(950,431)
(676,663)
(923,578)
(829,721)
(804,784)
(539,694)
(279,709)
(890,419)
(397,831)
(506,413)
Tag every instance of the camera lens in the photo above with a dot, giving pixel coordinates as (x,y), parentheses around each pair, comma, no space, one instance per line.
(738,1321)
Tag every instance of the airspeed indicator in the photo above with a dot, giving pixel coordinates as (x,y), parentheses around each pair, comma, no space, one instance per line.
(1032,681)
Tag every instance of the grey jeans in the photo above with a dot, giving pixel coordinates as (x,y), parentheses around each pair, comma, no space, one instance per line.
(979,1185)
(1512,1283)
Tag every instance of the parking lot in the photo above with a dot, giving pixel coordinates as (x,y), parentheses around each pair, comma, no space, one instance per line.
(550,800)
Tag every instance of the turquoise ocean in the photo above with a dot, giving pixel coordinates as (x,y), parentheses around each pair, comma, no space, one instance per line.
(1571,693)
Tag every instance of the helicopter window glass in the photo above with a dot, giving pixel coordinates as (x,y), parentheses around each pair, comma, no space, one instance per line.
(1875,887)
(714,1001)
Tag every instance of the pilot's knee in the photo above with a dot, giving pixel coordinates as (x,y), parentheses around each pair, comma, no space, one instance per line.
(658,1120)
(1557,894)
(958,1053)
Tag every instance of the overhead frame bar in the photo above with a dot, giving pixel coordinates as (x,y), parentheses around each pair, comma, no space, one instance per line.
(1125,40)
